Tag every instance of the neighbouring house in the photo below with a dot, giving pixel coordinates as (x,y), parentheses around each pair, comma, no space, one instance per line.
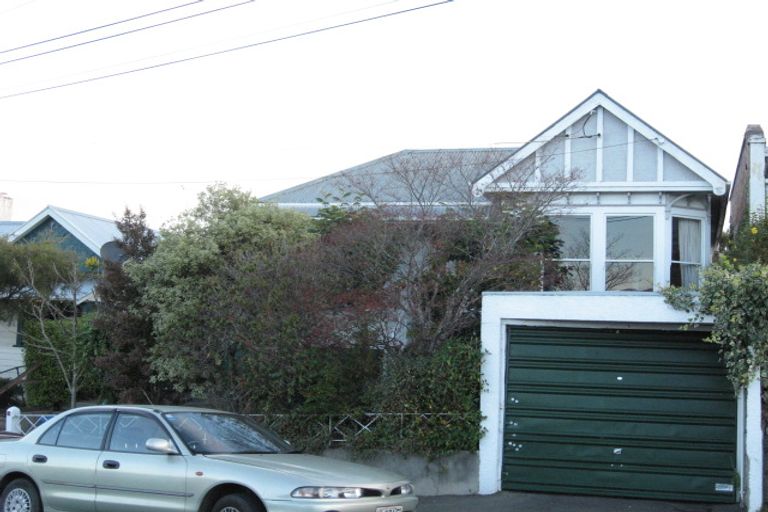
(594,388)
(9,354)
(86,235)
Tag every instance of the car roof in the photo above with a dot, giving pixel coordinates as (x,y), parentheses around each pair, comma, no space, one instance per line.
(152,408)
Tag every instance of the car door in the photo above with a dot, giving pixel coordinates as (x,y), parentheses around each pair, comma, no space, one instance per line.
(132,478)
(64,461)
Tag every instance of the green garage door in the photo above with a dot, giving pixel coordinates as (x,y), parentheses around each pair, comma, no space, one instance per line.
(618,413)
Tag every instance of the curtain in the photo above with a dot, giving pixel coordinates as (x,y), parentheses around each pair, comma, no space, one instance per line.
(689,246)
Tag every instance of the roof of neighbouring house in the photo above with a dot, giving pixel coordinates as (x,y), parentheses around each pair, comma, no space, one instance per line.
(92,231)
(440,175)
(9,226)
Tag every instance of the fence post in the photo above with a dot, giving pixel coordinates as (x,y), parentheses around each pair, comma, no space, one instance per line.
(13,420)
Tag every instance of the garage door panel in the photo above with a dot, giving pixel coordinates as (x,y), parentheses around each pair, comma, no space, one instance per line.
(708,406)
(614,482)
(618,413)
(619,378)
(623,428)
(627,452)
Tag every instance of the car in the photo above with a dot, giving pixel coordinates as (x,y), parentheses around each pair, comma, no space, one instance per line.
(158,459)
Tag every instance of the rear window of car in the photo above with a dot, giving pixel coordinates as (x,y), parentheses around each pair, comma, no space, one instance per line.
(84,431)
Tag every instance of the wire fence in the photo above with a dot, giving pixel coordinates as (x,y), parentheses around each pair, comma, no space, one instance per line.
(327,430)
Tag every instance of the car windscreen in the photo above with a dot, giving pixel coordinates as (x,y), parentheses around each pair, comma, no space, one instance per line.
(221,433)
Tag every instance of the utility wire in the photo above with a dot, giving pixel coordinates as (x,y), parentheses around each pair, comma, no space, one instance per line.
(127,32)
(225,51)
(112,24)
(190,49)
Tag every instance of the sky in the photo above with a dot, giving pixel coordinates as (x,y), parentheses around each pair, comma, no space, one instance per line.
(274,108)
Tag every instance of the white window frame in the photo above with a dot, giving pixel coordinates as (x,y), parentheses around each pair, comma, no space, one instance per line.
(706,236)
(654,241)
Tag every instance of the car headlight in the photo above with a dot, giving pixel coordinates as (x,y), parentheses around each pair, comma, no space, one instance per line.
(328,493)
(406,489)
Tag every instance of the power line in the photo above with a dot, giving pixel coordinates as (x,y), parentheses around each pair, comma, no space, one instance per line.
(225,51)
(112,24)
(127,32)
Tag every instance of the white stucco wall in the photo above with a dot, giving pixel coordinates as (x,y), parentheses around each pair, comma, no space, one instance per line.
(620,310)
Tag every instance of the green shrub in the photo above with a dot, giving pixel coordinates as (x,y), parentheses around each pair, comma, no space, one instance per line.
(431,402)
(46,387)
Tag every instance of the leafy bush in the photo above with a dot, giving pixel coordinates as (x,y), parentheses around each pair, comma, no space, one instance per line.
(439,398)
(46,386)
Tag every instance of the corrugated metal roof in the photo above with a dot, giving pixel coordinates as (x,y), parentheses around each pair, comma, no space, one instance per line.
(92,231)
(9,226)
(434,176)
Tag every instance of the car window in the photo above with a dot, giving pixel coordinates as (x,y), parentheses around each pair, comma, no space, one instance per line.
(131,432)
(209,432)
(84,430)
(51,435)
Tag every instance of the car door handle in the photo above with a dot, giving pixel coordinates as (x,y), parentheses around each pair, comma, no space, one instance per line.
(111,464)
(40,459)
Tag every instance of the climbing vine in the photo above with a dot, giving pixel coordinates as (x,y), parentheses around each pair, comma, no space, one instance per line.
(734,291)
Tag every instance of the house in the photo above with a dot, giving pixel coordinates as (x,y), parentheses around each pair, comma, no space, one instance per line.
(594,388)
(85,235)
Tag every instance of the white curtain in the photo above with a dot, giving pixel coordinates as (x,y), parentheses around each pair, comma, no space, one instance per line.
(689,245)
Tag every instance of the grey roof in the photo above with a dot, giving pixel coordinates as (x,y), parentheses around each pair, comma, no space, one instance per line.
(434,176)
(92,231)
(9,226)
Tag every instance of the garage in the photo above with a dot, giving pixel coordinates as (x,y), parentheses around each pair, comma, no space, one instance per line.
(618,412)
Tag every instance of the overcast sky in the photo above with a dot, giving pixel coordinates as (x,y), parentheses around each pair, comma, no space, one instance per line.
(461,74)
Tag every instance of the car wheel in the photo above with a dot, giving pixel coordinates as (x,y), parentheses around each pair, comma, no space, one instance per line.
(236,503)
(20,496)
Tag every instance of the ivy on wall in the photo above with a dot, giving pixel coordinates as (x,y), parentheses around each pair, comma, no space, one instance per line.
(734,290)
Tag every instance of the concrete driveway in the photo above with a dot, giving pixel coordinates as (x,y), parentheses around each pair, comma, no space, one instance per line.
(534,502)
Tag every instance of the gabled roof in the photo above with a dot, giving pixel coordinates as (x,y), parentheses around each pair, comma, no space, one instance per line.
(601,99)
(92,231)
(458,169)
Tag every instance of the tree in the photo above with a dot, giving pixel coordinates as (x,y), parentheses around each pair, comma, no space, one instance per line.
(191,286)
(17,262)
(125,321)
(439,246)
(58,328)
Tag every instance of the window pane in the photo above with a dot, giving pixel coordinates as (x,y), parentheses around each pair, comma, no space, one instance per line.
(50,437)
(132,431)
(574,233)
(575,276)
(683,275)
(629,277)
(630,238)
(84,430)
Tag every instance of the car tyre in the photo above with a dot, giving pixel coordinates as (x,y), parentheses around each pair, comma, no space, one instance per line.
(236,503)
(20,496)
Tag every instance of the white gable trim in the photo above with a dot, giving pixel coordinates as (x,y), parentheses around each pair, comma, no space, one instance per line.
(600,99)
(54,214)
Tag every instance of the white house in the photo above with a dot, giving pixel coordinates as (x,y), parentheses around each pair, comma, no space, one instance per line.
(597,390)
(593,388)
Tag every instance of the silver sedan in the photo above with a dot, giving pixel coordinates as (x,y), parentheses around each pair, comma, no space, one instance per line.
(158,459)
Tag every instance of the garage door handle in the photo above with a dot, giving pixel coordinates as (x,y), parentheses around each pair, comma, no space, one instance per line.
(111,464)
(40,459)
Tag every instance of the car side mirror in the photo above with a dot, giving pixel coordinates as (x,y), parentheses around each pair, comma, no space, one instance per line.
(156,444)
